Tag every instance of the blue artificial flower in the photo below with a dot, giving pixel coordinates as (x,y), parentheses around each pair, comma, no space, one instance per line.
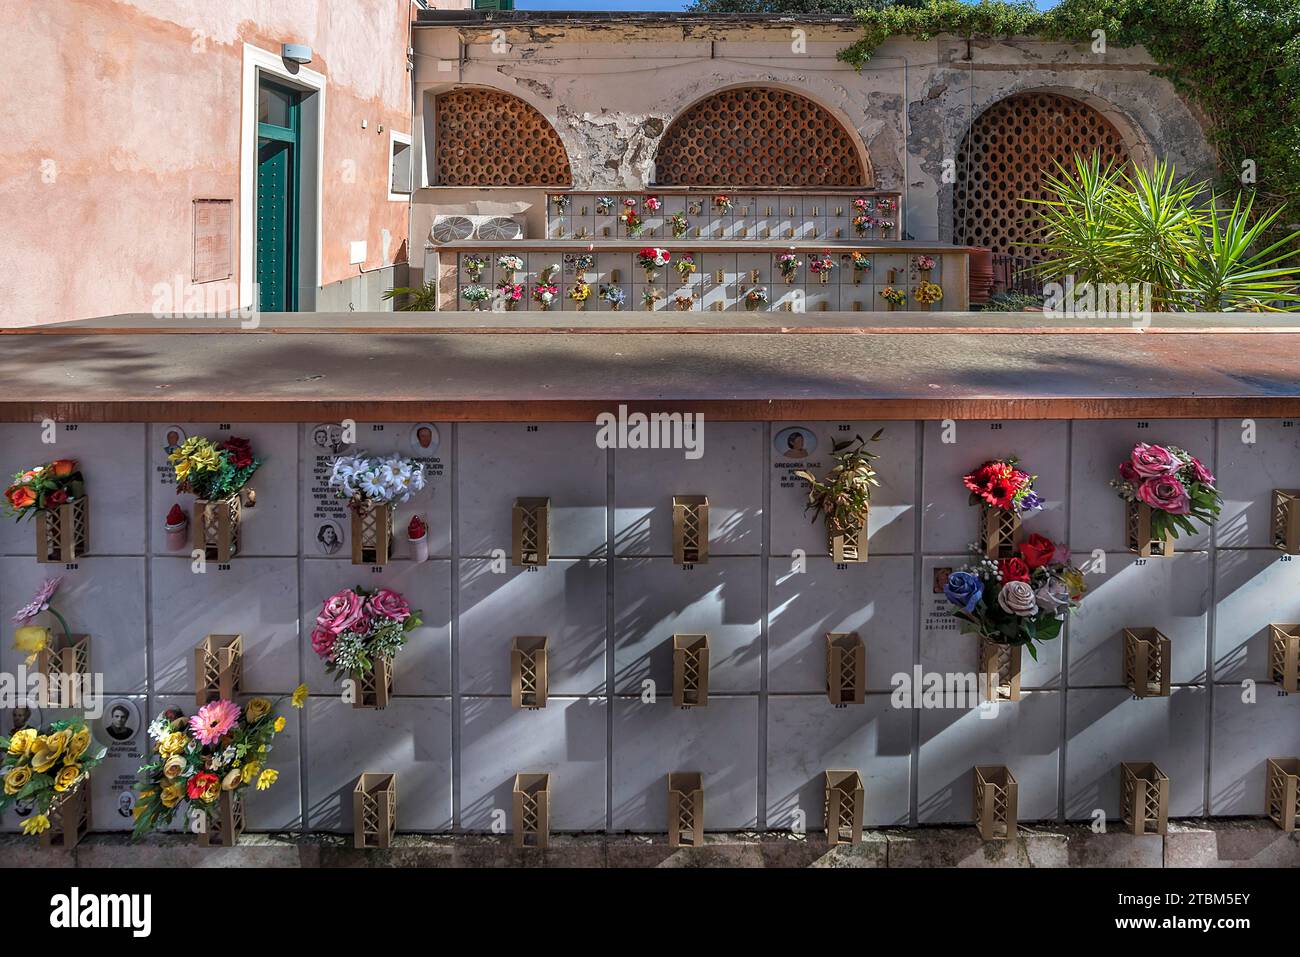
(964,589)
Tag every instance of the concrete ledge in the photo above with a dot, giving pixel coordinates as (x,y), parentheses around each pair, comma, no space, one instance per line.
(1235,843)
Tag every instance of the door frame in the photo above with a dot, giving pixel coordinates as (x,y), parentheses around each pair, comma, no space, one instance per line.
(259,63)
(291,136)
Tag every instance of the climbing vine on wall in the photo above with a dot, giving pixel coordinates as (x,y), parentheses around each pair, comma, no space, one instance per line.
(1239,60)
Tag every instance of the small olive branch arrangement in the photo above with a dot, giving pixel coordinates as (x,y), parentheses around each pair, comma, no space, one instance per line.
(844,496)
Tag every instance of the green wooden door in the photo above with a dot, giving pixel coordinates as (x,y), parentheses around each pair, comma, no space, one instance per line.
(277,199)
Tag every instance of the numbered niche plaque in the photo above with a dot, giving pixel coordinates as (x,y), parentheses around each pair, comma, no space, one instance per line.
(374,810)
(1146,662)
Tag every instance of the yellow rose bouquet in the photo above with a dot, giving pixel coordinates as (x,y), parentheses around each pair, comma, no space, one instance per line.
(40,766)
(222,747)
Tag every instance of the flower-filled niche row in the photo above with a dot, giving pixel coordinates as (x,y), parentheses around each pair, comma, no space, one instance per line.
(1004,492)
(1165,491)
(358,633)
(1013,603)
(372,485)
(50,769)
(843,498)
(202,764)
(216,476)
(55,495)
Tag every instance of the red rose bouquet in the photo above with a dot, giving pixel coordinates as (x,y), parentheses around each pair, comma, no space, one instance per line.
(1177,486)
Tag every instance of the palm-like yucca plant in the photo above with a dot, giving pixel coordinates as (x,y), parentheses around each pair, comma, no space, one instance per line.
(1102,225)
(415,299)
(1221,273)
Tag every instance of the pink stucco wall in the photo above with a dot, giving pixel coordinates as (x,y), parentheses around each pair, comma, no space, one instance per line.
(122,112)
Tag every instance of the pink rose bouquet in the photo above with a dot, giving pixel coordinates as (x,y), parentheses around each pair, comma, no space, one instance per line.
(1174,483)
(356,626)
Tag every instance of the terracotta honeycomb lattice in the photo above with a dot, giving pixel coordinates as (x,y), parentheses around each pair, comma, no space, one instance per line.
(758,138)
(1003,156)
(490,138)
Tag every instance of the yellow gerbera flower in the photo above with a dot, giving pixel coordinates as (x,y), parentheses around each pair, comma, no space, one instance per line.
(299,696)
(36,824)
(31,639)
(267,778)
(279,724)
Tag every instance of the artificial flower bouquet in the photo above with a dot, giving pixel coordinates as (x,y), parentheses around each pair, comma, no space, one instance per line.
(679,225)
(1018,600)
(545,293)
(220,750)
(510,293)
(788,264)
(821,266)
(653,204)
(685,266)
(604,205)
(580,292)
(649,297)
(629,217)
(474,266)
(684,302)
(1176,486)
(924,264)
(561,203)
(862,223)
(510,264)
(843,498)
(476,295)
(927,293)
(755,297)
(861,261)
(722,202)
(894,296)
(359,632)
(614,295)
(212,472)
(44,488)
(46,767)
(886,227)
(1004,492)
(651,258)
(55,495)
(372,485)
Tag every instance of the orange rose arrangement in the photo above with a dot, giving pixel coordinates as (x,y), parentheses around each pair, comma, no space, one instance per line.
(44,488)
